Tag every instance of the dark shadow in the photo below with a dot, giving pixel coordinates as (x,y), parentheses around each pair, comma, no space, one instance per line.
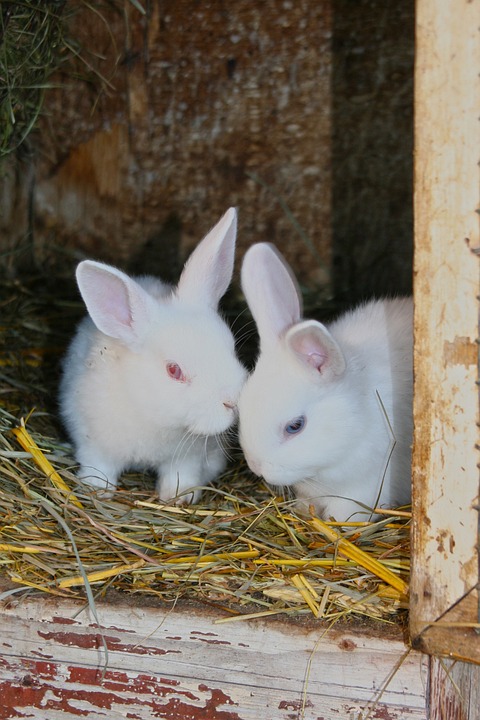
(372,153)
(160,255)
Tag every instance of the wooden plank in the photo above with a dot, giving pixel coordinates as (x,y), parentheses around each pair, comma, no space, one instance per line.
(445,571)
(181,663)
(453,690)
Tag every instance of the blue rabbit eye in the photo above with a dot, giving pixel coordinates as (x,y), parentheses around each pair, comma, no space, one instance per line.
(296,425)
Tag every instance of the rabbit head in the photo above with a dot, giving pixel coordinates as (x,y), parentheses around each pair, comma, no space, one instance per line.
(178,351)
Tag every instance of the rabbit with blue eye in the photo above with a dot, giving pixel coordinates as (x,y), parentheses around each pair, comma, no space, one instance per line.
(327,411)
(151,378)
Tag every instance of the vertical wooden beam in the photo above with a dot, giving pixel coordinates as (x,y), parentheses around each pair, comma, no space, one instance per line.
(444,587)
(453,691)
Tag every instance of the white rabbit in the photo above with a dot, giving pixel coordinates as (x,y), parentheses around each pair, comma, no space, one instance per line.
(322,406)
(151,378)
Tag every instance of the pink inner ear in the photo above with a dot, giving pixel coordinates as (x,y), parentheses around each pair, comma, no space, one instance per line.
(307,345)
(316,360)
(312,342)
(116,304)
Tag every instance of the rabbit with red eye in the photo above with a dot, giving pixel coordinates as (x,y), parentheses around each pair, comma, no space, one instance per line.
(324,407)
(151,379)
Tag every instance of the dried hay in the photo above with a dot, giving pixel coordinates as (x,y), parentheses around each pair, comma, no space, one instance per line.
(34,43)
(243,549)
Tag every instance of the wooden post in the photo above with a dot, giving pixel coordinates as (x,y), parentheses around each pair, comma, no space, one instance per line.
(445,573)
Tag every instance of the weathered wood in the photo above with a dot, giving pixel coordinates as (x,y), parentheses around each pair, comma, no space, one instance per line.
(445,572)
(181,663)
(202,106)
(453,690)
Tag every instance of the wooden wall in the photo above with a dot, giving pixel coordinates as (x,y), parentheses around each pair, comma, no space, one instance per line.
(169,119)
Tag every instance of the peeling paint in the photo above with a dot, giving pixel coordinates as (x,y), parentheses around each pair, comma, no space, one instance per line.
(89,640)
(214,679)
(462,351)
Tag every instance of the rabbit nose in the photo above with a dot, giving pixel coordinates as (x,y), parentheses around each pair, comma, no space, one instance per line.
(230,405)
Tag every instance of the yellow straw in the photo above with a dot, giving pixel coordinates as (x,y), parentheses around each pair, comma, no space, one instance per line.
(241,555)
(100,574)
(29,444)
(27,548)
(345,547)
(308,563)
(176,510)
(307,592)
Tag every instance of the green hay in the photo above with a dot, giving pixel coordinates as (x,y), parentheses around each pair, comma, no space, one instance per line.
(30,50)
(34,42)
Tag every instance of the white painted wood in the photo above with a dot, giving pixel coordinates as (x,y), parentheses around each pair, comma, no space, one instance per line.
(447,195)
(184,659)
(453,690)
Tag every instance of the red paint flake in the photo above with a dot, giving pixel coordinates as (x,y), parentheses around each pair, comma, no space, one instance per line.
(162,686)
(120,682)
(148,684)
(38,654)
(380,712)
(81,640)
(41,669)
(60,699)
(208,635)
(294,705)
(140,650)
(90,641)
(95,626)
(65,699)
(383,713)
(63,620)
(175,709)
(214,642)
(165,681)
(92,675)
(40,684)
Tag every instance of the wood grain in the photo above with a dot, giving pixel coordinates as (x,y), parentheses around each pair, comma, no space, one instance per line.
(445,570)
(181,663)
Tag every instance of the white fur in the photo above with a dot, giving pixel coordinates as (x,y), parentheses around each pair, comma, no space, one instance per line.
(118,402)
(350,381)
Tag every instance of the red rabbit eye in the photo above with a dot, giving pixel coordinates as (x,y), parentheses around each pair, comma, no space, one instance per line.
(175,372)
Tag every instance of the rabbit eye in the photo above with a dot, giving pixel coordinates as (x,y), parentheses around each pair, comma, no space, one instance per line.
(295,426)
(175,372)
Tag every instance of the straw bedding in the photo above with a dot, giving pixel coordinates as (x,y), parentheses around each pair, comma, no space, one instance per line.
(243,549)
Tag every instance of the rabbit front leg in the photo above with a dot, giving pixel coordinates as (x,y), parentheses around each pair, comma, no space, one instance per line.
(201,464)
(98,471)
(175,477)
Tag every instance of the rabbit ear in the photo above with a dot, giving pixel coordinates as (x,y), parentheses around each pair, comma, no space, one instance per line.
(316,348)
(118,306)
(207,274)
(271,290)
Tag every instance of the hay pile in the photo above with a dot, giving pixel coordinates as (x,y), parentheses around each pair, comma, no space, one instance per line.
(34,42)
(31,45)
(243,549)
